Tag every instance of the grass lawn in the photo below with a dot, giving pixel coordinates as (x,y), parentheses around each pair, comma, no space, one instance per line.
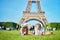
(14,35)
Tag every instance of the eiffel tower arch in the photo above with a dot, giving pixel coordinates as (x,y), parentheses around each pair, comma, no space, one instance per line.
(28,15)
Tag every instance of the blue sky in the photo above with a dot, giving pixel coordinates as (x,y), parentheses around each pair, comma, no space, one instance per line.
(12,10)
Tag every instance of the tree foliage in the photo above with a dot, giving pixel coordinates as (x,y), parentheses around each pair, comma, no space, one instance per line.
(9,24)
(54,25)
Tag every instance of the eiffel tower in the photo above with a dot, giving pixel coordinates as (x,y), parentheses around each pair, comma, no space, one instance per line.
(28,15)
